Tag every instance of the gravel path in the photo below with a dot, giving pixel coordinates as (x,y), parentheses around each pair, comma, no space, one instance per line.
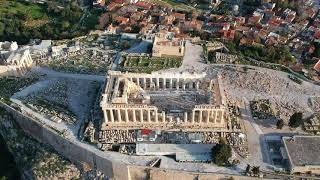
(55,74)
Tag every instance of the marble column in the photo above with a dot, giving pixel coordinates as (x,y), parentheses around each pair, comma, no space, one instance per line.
(208,116)
(157,83)
(111,115)
(144,83)
(200,116)
(126,115)
(185,117)
(134,115)
(171,84)
(210,86)
(119,115)
(184,85)
(105,116)
(141,115)
(163,116)
(197,85)
(222,117)
(193,116)
(149,117)
(177,84)
(138,81)
(171,119)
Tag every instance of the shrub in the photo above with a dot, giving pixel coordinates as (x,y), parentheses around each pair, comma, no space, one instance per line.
(296,120)
(280,124)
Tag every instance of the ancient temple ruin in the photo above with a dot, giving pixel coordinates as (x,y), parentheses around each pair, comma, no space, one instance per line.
(163,100)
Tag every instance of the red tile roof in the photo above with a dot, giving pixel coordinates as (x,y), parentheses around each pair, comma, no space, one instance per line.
(317,66)
(317,34)
(144,5)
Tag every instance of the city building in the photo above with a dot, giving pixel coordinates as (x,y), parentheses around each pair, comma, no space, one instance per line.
(182,152)
(303,153)
(166,44)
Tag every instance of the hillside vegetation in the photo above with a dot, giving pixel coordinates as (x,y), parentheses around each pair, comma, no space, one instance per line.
(21,20)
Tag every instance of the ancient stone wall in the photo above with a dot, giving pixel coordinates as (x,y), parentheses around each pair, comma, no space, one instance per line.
(80,155)
(74,152)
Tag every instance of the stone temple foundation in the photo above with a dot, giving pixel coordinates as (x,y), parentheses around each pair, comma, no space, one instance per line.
(163,100)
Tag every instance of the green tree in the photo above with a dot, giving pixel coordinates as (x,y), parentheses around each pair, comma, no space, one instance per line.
(248,168)
(221,153)
(296,120)
(256,170)
(280,124)
(2,28)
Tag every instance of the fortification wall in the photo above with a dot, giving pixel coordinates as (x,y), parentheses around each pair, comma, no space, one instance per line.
(74,152)
(115,170)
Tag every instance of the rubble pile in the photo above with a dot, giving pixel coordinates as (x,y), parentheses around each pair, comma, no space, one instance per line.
(117,136)
(89,133)
(238,142)
(53,101)
(57,114)
(127,149)
(90,61)
(313,124)
(261,109)
(285,110)
(315,103)
(234,113)
(211,137)
(94,174)
(285,96)
(235,139)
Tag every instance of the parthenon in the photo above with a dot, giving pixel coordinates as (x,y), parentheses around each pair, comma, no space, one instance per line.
(162,100)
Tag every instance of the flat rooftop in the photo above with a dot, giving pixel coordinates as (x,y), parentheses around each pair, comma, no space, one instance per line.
(182,152)
(303,150)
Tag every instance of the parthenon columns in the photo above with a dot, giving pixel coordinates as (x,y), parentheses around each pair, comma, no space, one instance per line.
(157,83)
(197,84)
(149,118)
(119,115)
(177,84)
(134,115)
(185,117)
(105,116)
(141,115)
(144,83)
(111,115)
(193,116)
(200,116)
(163,116)
(126,115)
(171,83)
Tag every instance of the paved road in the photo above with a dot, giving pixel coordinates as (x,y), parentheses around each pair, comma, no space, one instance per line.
(193,58)
(256,141)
